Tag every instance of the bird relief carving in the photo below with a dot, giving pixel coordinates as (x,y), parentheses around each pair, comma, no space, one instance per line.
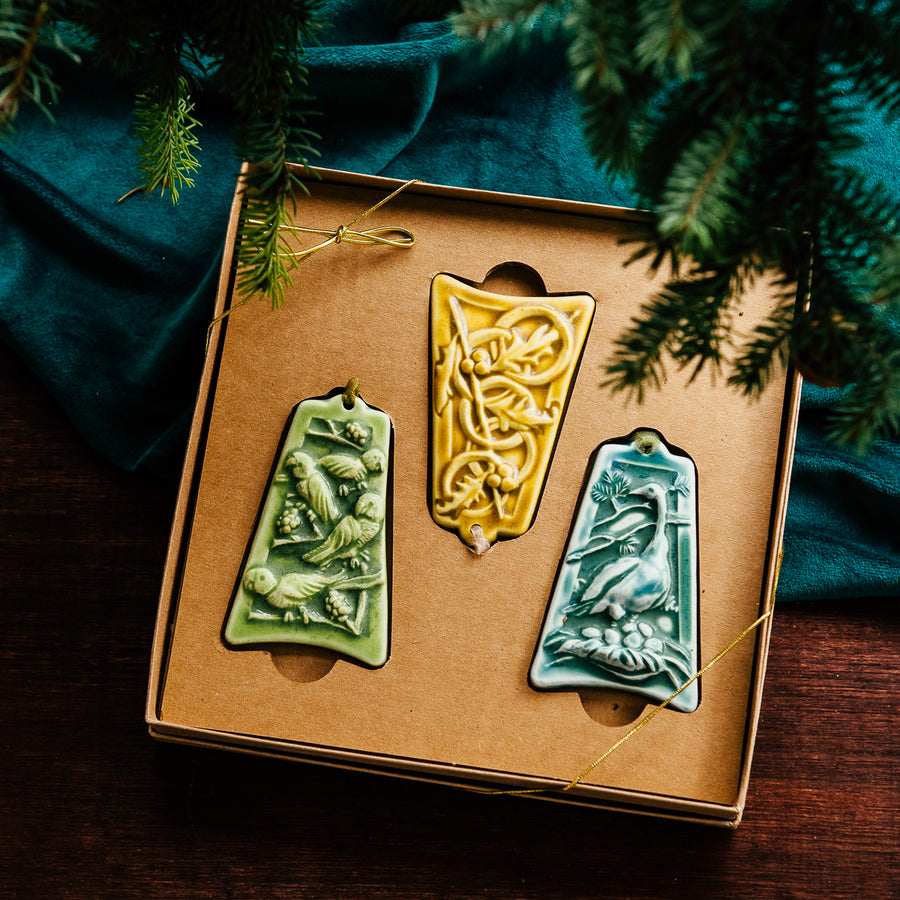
(624,609)
(502,369)
(316,570)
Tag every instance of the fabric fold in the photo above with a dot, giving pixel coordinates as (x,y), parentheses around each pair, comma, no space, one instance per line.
(108,303)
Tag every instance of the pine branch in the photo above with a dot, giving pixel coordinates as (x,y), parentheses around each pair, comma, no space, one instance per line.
(871,407)
(613,89)
(22,76)
(768,349)
(861,345)
(704,328)
(124,34)
(498,25)
(260,48)
(666,41)
(716,201)
(875,26)
(882,280)
(702,193)
(253,48)
(859,217)
(826,337)
(600,54)
(686,321)
(638,358)
(165,129)
(269,188)
(263,252)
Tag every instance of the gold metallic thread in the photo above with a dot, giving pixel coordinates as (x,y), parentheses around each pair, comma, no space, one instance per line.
(633,731)
(340,235)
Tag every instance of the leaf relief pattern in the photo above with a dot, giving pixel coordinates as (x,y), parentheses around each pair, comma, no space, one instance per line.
(503,367)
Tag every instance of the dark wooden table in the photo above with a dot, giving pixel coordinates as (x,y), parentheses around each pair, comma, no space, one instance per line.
(91,807)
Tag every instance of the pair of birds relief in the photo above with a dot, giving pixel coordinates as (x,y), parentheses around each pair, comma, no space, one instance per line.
(316,570)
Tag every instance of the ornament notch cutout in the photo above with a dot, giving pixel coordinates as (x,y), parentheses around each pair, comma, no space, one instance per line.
(502,370)
(317,569)
(624,612)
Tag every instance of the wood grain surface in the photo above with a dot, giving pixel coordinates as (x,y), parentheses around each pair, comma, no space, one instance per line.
(92,807)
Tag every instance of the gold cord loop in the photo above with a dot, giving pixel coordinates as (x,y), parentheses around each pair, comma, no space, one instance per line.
(351,392)
(343,235)
(402,237)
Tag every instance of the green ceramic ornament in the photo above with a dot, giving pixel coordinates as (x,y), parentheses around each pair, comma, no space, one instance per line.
(317,569)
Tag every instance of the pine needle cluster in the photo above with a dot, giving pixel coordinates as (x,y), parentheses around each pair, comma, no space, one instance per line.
(252,51)
(736,122)
(24,75)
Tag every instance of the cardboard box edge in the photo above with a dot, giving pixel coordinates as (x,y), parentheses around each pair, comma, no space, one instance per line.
(180,525)
(677,809)
(776,538)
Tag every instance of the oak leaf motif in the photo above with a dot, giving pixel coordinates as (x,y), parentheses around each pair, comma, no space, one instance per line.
(469,491)
(516,411)
(525,354)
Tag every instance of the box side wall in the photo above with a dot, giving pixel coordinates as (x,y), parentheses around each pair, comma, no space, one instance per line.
(189,476)
(460,778)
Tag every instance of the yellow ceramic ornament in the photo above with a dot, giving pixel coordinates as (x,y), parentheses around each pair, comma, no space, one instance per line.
(502,369)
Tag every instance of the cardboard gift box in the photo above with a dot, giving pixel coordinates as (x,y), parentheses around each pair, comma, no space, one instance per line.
(453,703)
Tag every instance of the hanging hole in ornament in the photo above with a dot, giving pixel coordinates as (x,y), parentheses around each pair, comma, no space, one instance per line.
(647,442)
(303,665)
(611,708)
(478,543)
(514,279)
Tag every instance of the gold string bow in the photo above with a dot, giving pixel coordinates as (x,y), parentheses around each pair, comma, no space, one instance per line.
(343,234)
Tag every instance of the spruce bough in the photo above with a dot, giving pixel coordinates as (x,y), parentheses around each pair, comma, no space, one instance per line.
(734,121)
(252,51)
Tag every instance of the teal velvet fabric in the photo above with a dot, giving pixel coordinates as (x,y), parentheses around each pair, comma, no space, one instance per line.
(108,303)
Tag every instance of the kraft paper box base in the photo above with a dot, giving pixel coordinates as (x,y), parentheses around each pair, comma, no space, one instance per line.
(453,703)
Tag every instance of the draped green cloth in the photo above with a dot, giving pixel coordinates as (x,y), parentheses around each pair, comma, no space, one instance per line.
(108,303)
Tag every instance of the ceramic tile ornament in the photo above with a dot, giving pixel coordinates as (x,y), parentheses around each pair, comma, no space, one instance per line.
(624,612)
(502,368)
(317,569)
